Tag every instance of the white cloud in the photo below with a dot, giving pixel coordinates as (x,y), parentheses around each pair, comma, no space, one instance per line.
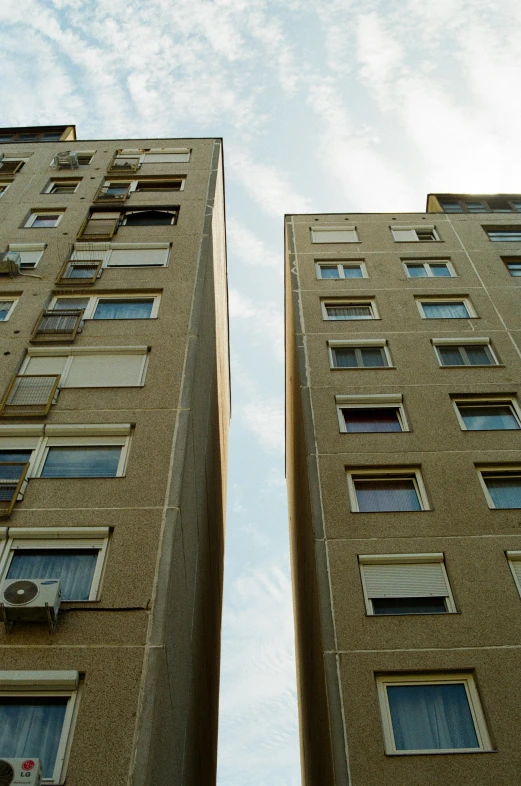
(250,248)
(265,321)
(265,419)
(268,186)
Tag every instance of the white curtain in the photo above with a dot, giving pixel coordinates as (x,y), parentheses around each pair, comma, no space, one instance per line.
(382,495)
(445,310)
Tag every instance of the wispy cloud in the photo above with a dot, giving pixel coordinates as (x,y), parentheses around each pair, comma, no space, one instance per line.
(264,321)
(250,249)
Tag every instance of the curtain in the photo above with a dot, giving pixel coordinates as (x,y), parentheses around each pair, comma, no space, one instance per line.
(384,495)
(352,272)
(431,717)
(416,271)
(371,419)
(451,356)
(32,727)
(5,305)
(478,356)
(81,462)
(74,568)
(488,418)
(329,272)
(373,357)
(505,492)
(124,309)
(349,312)
(445,310)
(345,358)
(10,474)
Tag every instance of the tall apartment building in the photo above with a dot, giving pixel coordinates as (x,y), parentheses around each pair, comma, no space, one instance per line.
(113,456)
(404,473)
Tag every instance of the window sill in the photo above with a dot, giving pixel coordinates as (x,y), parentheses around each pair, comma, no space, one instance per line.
(485,365)
(439,753)
(364,368)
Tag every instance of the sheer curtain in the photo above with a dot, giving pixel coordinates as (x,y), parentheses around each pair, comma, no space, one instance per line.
(505,492)
(124,309)
(431,717)
(349,312)
(445,310)
(371,419)
(82,462)
(32,727)
(488,418)
(383,495)
(74,568)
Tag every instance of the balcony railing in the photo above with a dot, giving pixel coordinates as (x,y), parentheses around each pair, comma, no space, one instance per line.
(59,326)
(98,228)
(29,395)
(78,272)
(112,193)
(12,477)
(124,164)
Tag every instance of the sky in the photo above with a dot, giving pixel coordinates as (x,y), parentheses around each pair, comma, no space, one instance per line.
(324,106)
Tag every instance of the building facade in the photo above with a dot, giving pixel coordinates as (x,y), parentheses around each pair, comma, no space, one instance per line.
(114,415)
(403,341)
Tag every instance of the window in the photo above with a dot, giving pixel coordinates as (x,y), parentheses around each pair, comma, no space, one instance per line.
(431,713)
(62,185)
(147,218)
(30,253)
(445,309)
(6,308)
(75,555)
(37,712)
(103,307)
(502,486)
(3,188)
(167,155)
(85,156)
(334,234)
(386,490)
(421,234)
(44,220)
(10,166)
(123,188)
(344,269)
(473,352)
(513,265)
(490,204)
(514,561)
(371,353)
(405,584)
(419,268)
(67,451)
(371,413)
(487,414)
(120,255)
(346,310)
(89,367)
(504,234)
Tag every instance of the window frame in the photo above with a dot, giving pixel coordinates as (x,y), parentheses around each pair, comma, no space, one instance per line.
(370,302)
(503,229)
(416,228)
(86,538)
(13,301)
(40,684)
(496,471)
(315,231)
(355,344)
(36,214)
(465,300)
(461,343)
(71,352)
(57,181)
(405,559)
(440,678)
(514,556)
(486,400)
(513,260)
(90,309)
(374,401)
(427,264)
(340,265)
(103,251)
(387,472)
(4,185)
(20,248)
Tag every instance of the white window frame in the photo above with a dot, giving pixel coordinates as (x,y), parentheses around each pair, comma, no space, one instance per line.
(449,299)
(478,717)
(389,473)
(36,214)
(21,248)
(86,538)
(414,229)
(321,232)
(461,343)
(3,187)
(427,264)
(56,181)
(183,154)
(52,684)
(514,558)
(132,185)
(13,301)
(486,400)
(403,559)
(349,303)
(94,300)
(379,343)
(84,154)
(375,401)
(340,265)
(496,471)
(71,352)
(507,228)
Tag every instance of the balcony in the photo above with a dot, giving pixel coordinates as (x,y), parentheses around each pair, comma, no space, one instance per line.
(12,477)
(10,262)
(99,228)
(78,272)
(30,395)
(57,327)
(65,160)
(113,193)
(124,164)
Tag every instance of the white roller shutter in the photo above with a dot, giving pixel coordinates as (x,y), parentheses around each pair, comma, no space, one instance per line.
(404,235)
(136,257)
(45,365)
(405,580)
(105,370)
(334,236)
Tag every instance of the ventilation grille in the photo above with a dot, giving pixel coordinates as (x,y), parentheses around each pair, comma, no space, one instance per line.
(21,592)
(6,773)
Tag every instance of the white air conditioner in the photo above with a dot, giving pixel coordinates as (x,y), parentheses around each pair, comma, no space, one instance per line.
(14,772)
(65,160)
(30,600)
(10,262)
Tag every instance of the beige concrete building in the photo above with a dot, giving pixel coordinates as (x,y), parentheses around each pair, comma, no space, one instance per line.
(114,416)
(404,472)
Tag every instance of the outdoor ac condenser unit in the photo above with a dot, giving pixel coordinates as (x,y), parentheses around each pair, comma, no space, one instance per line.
(65,160)
(10,263)
(14,772)
(30,600)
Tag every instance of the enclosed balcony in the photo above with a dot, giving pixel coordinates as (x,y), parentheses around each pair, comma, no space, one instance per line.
(30,395)
(12,477)
(58,326)
(78,272)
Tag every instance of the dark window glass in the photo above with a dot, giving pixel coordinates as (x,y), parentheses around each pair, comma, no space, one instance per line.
(369,419)
(409,605)
(488,417)
(74,568)
(149,218)
(124,309)
(505,490)
(417,271)
(329,271)
(386,495)
(82,462)
(451,207)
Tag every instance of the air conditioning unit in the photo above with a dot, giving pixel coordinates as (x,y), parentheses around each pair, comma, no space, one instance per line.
(65,160)
(30,600)
(10,262)
(14,772)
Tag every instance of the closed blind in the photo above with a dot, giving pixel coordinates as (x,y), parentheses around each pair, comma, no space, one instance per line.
(134,257)
(105,370)
(405,581)
(334,236)
(46,365)
(516,567)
